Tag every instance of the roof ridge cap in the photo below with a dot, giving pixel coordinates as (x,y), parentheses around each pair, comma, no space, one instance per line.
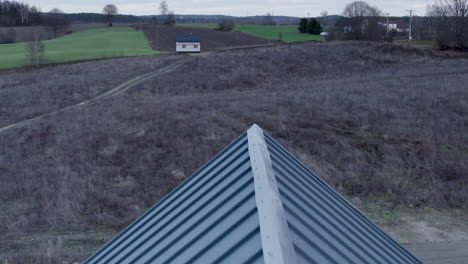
(276,240)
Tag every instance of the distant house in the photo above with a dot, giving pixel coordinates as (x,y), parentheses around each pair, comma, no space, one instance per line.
(188,43)
(396,25)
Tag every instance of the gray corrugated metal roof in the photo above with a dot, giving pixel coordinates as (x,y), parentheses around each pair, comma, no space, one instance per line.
(210,218)
(188,38)
(325,227)
(253,203)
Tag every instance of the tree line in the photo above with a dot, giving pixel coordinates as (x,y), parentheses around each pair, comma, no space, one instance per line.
(446,22)
(13,14)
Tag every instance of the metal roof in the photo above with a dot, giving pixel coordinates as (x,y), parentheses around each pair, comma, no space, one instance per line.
(188,38)
(253,203)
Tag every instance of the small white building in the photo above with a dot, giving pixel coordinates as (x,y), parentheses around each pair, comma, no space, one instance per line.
(188,43)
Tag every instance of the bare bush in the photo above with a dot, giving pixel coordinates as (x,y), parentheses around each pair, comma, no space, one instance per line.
(8,37)
(36,51)
(227,24)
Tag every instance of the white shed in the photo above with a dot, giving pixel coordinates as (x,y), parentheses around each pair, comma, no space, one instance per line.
(188,43)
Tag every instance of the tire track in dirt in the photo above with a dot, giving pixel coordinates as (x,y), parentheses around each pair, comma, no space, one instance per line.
(119,89)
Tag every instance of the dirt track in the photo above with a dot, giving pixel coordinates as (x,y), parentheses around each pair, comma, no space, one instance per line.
(163,38)
(121,88)
(441,253)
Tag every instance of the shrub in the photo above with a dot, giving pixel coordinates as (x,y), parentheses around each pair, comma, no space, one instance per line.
(8,37)
(226,25)
(303,25)
(442,44)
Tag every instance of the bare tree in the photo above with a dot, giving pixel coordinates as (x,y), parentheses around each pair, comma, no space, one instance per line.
(268,20)
(56,21)
(36,50)
(452,20)
(324,18)
(163,8)
(109,12)
(23,12)
(362,20)
(168,17)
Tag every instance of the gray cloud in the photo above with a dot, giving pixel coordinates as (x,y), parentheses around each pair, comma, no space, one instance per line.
(237,8)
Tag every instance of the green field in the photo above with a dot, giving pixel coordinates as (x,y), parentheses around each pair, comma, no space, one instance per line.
(91,44)
(290,33)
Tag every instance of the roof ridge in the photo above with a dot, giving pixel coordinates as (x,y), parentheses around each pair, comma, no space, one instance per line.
(276,240)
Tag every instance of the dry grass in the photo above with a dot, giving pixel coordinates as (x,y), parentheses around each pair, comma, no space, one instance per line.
(29,93)
(374,120)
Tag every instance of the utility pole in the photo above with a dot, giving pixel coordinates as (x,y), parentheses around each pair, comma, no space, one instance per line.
(410,36)
(388,15)
(308,15)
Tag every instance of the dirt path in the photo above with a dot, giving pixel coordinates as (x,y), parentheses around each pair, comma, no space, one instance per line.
(454,252)
(121,88)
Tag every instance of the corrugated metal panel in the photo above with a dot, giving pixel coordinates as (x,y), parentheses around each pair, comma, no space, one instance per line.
(210,218)
(324,226)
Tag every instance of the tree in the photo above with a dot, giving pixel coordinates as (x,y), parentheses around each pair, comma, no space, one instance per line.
(36,50)
(312,26)
(318,28)
(109,11)
(56,20)
(163,8)
(8,37)
(362,20)
(303,25)
(227,24)
(453,20)
(324,18)
(17,14)
(268,20)
(168,17)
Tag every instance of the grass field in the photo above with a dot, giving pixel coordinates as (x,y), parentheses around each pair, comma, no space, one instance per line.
(91,44)
(418,42)
(289,32)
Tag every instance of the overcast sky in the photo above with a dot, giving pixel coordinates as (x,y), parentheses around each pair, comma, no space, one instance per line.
(297,8)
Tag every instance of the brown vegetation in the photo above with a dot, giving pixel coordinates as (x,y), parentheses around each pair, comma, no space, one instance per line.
(374,120)
(54,87)
(163,37)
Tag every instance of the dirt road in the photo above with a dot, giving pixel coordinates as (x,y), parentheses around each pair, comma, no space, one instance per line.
(454,252)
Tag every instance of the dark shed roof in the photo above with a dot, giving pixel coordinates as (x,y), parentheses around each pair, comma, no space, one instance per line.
(253,203)
(188,38)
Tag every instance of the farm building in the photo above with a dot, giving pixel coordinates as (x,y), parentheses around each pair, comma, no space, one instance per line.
(253,203)
(188,43)
(397,25)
